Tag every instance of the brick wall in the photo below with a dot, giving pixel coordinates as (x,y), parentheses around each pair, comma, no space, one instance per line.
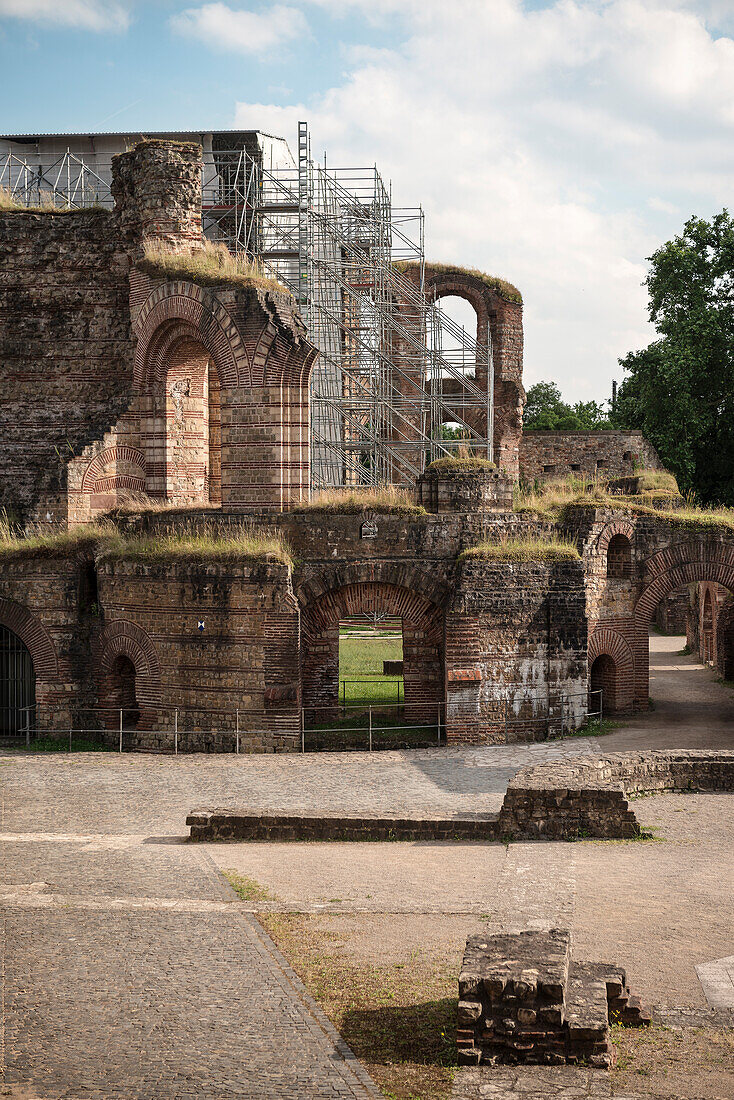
(516,638)
(607,454)
(66,350)
(499,320)
(116,382)
(244,656)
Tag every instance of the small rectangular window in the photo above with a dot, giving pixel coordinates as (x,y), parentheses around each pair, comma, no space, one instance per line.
(548,469)
(575,466)
(600,463)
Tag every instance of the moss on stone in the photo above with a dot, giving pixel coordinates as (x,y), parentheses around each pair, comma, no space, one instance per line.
(505,290)
(459,467)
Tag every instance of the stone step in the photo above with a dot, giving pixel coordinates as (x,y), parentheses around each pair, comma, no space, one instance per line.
(587,1021)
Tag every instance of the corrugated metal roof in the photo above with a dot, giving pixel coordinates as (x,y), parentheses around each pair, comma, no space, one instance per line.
(132,131)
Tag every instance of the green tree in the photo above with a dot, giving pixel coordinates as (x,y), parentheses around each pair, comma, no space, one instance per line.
(547,411)
(680,390)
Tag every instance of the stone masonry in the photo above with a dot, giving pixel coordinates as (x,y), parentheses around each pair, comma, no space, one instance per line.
(603,454)
(522,999)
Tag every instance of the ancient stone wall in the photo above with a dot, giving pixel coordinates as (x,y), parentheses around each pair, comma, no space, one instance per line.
(119,381)
(589,796)
(66,350)
(516,662)
(499,320)
(545,456)
(223,638)
(664,556)
(49,603)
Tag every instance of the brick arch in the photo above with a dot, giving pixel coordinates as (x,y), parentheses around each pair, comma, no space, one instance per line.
(360,599)
(685,563)
(130,456)
(606,642)
(34,636)
(314,584)
(190,310)
(470,290)
(608,533)
(423,648)
(125,638)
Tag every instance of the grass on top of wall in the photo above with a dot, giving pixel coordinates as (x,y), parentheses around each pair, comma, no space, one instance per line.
(504,289)
(46,205)
(387,498)
(457,465)
(105,541)
(238,544)
(210,265)
(39,541)
(136,503)
(557,499)
(529,549)
(662,481)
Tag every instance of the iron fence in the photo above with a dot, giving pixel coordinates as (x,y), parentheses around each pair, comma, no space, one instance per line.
(327,727)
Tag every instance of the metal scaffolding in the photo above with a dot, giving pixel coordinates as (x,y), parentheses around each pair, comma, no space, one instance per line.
(396,384)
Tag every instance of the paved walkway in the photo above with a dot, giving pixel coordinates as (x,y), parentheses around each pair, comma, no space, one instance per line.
(129,969)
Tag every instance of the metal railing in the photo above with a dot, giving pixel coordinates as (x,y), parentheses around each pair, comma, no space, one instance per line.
(329,726)
(397,684)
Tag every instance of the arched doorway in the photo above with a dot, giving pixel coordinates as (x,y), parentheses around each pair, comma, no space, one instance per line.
(122,694)
(420,622)
(697,562)
(17,685)
(184,459)
(603,685)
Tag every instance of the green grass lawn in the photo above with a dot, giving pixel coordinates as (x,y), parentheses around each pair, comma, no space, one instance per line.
(361,653)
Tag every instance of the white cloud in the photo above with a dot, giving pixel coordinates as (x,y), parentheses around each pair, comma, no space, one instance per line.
(556,147)
(91,15)
(242,31)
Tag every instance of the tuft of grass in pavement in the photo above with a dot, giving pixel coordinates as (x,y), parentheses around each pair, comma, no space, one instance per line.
(246,888)
(407,1047)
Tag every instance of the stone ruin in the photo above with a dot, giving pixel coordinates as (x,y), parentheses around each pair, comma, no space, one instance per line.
(523,999)
(122,379)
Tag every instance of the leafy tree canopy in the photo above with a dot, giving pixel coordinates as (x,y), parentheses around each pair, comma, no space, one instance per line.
(547,411)
(680,390)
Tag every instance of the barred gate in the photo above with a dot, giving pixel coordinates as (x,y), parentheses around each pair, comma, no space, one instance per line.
(17,685)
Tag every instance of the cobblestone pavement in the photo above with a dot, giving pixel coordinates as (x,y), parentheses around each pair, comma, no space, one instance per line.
(131,972)
(108,793)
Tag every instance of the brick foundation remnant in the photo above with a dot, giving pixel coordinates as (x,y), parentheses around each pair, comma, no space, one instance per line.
(523,999)
(564,800)
(588,797)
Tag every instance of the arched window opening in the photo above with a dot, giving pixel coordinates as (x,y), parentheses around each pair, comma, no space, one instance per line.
(459,322)
(17,685)
(619,557)
(603,685)
(123,693)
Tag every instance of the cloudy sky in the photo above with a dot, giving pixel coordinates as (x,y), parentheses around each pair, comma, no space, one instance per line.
(554,142)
